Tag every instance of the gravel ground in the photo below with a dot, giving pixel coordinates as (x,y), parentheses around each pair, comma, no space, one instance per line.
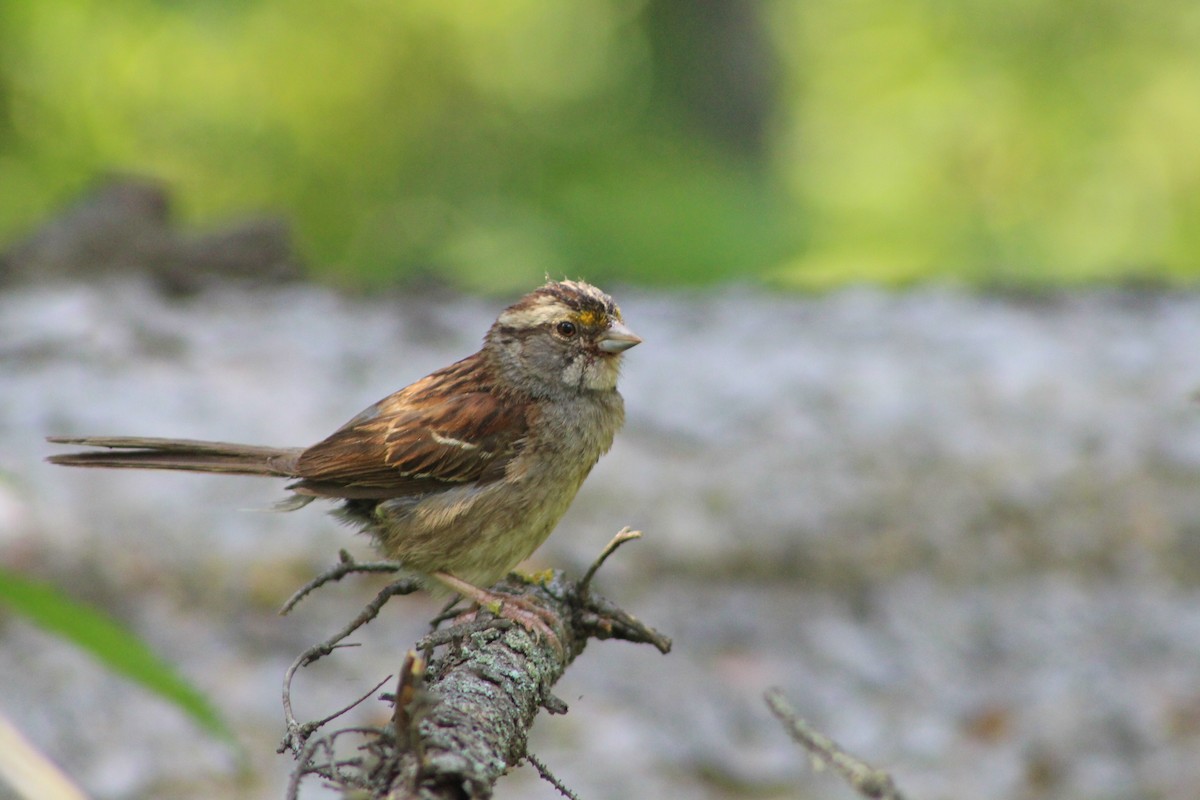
(961,532)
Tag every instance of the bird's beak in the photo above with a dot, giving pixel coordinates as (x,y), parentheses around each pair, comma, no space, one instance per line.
(618,338)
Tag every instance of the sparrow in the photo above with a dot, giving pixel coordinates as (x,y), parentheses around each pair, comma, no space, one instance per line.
(464,473)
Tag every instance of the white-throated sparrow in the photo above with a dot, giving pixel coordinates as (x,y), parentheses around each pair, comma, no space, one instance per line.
(464,473)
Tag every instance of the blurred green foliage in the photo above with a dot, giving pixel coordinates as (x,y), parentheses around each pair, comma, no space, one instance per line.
(490,143)
(1000,140)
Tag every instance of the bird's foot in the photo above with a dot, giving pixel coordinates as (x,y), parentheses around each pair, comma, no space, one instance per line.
(524,611)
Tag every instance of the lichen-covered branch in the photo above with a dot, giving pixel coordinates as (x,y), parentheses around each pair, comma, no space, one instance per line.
(466,699)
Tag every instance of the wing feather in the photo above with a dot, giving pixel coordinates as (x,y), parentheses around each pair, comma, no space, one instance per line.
(428,436)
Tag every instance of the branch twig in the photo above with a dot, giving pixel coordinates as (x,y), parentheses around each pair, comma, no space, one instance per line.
(298,733)
(624,535)
(549,777)
(345,566)
(865,779)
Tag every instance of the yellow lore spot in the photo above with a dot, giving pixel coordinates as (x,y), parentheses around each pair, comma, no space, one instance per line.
(589,319)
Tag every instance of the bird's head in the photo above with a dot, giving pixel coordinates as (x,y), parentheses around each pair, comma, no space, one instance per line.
(566,336)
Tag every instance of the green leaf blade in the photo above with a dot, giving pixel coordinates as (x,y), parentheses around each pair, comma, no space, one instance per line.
(111,644)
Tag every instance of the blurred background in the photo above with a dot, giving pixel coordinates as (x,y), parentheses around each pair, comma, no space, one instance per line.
(913,433)
(657,141)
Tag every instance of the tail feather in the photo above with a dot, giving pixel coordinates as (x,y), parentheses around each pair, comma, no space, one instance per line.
(139,452)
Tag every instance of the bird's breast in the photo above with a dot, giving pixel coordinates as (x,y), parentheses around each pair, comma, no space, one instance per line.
(479,532)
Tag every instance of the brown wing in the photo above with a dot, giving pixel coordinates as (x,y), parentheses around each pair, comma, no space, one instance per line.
(423,438)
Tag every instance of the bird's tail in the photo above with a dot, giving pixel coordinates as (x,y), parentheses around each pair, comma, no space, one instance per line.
(139,452)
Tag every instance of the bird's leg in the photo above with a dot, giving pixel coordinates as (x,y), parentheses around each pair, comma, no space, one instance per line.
(523,611)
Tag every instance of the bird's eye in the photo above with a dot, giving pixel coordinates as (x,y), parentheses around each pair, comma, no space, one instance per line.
(565,328)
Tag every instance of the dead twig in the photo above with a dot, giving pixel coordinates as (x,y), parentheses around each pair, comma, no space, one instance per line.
(624,535)
(599,618)
(345,566)
(550,778)
(349,773)
(298,733)
(865,779)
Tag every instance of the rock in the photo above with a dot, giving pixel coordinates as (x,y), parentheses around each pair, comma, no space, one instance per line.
(123,226)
